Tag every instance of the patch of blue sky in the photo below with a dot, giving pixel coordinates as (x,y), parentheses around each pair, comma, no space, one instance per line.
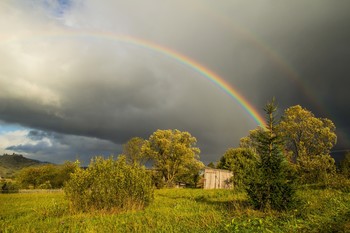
(57,7)
(5,127)
(63,5)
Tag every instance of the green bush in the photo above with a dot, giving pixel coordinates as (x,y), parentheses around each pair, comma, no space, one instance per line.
(319,170)
(110,185)
(9,187)
(241,161)
(45,176)
(340,182)
(157,179)
(345,165)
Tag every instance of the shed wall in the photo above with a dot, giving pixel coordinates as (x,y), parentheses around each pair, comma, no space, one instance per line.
(217,179)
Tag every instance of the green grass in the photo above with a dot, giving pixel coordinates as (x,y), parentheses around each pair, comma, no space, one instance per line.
(178,210)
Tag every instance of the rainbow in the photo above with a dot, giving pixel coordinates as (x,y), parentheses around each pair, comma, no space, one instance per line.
(205,72)
(202,70)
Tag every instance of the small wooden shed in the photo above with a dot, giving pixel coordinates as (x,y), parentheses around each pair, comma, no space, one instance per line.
(216,178)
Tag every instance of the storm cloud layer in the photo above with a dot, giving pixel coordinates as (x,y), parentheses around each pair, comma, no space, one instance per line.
(69,88)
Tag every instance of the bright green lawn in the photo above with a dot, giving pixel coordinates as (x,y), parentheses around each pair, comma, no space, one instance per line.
(178,210)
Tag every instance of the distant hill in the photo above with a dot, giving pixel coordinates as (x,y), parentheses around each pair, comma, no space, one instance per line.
(10,164)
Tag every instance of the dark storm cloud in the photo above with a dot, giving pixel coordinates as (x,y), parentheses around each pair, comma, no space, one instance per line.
(37,135)
(315,42)
(29,148)
(57,147)
(88,90)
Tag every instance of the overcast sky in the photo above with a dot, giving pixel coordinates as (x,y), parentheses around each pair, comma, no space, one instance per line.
(70,89)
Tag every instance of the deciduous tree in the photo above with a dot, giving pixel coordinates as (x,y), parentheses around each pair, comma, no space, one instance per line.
(45,176)
(309,139)
(345,165)
(241,161)
(174,154)
(306,135)
(318,169)
(133,151)
(249,142)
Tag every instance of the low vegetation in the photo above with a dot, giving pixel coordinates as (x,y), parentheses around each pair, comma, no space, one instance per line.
(179,210)
(8,187)
(45,176)
(109,185)
(345,166)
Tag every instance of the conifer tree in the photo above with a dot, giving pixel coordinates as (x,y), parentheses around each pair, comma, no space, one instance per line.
(272,185)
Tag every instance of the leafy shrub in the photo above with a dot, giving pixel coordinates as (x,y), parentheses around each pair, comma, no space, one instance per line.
(345,165)
(241,161)
(110,185)
(340,182)
(9,187)
(316,169)
(46,176)
(157,179)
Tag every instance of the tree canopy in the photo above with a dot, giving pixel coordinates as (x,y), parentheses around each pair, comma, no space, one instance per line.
(345,165)
(241,161)
(133,152)
(174,154)
(307,141)
(306,135)
(45,176)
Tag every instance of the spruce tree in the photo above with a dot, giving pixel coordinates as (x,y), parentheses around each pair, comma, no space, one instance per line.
(272,185)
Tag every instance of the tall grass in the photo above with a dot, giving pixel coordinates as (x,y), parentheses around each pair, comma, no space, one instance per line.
(178,210)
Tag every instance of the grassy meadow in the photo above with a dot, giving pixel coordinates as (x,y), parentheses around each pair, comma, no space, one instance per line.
(178,210)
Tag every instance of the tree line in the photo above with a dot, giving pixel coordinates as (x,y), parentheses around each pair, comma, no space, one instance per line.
(306,143)
(273,161)
(269,164)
